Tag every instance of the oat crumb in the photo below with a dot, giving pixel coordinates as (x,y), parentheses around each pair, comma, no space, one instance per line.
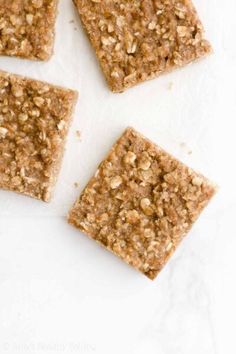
(78,134)
(170,86)
(186,148)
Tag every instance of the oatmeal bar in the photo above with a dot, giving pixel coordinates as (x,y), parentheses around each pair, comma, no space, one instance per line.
(141,203)
(34,121)
(27,28)
(138,40)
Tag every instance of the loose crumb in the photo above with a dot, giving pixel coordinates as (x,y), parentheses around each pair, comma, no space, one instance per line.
(78,134)
(186,148)
(170,86)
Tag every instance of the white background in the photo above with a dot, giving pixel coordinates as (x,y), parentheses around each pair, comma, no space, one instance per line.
(59,291)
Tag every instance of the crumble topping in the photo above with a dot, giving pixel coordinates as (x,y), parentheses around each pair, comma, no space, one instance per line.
(27,28)
(138,40)
(141,203)
(34,121)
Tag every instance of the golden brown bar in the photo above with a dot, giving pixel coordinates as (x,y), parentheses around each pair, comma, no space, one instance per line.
(34,121)
(138,40)
(141,203)
(27,28)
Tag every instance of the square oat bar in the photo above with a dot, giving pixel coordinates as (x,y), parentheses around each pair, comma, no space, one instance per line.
(141,203)
(34,121)
(138,40)
(27,28)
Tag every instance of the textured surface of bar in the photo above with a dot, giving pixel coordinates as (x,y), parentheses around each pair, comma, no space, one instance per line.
(27,28)
(34,121)
(138,40)
(141,203)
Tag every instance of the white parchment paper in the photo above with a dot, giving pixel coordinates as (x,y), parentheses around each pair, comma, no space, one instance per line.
(59,291)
